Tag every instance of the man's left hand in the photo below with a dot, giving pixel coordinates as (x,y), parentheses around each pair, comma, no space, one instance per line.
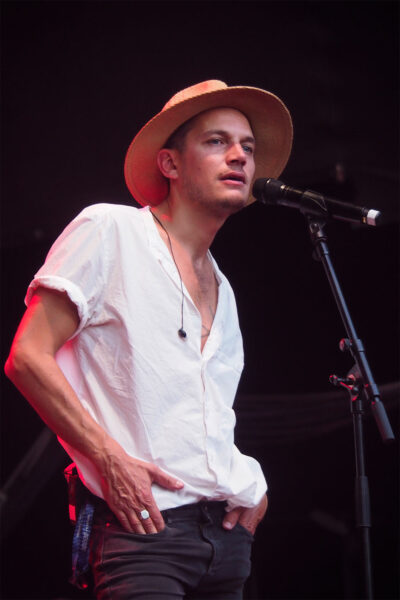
(249,518)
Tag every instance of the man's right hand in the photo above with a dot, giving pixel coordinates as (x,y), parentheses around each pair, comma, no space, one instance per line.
(126,486)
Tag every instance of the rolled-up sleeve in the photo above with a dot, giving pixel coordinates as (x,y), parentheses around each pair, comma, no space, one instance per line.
(77,264)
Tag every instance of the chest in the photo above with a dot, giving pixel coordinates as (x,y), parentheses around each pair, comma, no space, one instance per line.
(203,289)
(199,279)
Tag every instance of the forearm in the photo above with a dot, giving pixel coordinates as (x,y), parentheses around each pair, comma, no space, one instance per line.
(126,481)
(49,321)
(39,378)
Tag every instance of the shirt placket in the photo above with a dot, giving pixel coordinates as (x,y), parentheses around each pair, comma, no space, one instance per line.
(210,421)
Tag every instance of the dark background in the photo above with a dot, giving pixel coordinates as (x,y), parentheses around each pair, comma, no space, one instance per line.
(78,80)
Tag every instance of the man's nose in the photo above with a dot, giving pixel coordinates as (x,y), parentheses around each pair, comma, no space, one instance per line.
(237,154)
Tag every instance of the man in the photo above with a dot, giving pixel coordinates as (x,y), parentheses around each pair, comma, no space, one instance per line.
(130,351)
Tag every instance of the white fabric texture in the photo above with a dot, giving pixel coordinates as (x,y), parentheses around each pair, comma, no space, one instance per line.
(158,395)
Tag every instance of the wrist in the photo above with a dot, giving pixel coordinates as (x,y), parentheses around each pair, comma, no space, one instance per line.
(106,453)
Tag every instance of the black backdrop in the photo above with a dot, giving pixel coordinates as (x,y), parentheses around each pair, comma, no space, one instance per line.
(78,80)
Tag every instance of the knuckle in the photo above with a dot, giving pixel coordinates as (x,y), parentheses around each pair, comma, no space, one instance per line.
(155,471)
(147,494)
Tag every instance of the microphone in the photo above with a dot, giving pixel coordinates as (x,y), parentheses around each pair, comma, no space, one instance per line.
(273,191)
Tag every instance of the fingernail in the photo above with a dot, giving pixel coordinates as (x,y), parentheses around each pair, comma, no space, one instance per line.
(228,525)
(178,484)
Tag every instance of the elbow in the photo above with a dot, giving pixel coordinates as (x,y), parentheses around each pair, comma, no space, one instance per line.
(8,367)
(16,364)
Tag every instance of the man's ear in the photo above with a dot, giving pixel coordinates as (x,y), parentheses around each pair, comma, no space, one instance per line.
(167,163)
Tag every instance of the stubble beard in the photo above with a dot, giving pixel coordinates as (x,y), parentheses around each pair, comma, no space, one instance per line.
(219,207)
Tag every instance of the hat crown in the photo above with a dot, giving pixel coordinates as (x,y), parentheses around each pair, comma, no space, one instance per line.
(211,85)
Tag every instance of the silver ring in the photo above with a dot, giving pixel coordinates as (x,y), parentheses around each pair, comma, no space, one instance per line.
(144,514)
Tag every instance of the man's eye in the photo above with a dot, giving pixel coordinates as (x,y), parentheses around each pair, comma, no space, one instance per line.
(215,141)
(248,149)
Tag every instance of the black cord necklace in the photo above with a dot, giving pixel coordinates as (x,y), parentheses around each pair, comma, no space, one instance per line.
(181,332)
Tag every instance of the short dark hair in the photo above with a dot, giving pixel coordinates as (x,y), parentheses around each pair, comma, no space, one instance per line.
(176,140)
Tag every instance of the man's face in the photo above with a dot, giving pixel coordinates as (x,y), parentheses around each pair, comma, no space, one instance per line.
(216,165)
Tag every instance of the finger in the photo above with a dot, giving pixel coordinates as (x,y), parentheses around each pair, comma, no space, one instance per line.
(149,526)
(248,524)
(147,521)
(138,527)
(231,518)
(129,522)
(156,517)
(166,481)
(251,517)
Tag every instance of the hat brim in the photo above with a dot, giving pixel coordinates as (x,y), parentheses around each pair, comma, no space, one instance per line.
(269,119)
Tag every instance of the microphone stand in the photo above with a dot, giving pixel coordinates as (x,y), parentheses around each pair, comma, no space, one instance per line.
(363,390)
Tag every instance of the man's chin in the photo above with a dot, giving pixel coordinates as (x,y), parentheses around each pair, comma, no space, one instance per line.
(224,205)
(230,205)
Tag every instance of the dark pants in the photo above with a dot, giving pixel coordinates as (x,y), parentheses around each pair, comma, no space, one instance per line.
(193,557)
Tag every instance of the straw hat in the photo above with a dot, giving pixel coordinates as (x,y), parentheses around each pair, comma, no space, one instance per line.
(269,119)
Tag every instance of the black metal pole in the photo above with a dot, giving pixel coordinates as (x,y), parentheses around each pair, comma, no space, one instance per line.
(361,489)
(356,347)
(364,388)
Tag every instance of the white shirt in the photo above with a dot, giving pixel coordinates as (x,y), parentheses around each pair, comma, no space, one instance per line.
(158,395)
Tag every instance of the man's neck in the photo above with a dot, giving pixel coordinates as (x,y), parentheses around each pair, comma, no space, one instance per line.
(190,226)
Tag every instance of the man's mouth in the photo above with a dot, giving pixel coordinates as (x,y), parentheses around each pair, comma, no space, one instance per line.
(234,177)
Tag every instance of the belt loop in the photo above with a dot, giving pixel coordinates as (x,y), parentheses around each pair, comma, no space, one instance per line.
(166,516)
